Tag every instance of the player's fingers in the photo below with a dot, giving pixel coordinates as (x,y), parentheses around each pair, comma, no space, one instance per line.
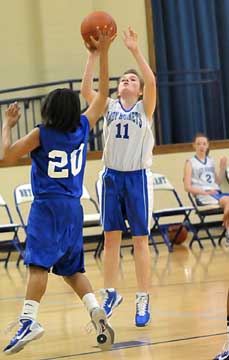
(104,30)
(113,37)
(87,45)
(110,31)
(94,41)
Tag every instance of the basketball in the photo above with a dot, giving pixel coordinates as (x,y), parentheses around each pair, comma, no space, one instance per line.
(181,237)
(94,20)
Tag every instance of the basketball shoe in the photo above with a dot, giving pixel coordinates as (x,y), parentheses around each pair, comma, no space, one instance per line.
(142,317)
(104,332)
(29,330)
(111,299)
(223,356)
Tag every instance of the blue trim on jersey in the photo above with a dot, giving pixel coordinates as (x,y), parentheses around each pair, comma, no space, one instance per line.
(127,110)
(202,162)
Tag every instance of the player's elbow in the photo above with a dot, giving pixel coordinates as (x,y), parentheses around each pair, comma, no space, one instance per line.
(187,187)
(7,158)
(83,92)
(86,94)
(100,100)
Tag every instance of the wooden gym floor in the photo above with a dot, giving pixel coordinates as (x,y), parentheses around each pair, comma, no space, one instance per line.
(188,306)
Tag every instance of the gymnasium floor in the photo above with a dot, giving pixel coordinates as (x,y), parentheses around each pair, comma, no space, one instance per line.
(188,305)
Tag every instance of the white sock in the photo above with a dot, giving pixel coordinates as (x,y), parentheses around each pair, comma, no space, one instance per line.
(110,289)
(90,302)
(138,294)
(30,309)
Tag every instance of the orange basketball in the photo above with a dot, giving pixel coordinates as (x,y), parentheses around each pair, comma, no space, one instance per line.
(181,237)
(94,20)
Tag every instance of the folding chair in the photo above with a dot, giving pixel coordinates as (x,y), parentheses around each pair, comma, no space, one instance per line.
(204,213)
(23,197)
(163,217)
(91,218)
(9,230)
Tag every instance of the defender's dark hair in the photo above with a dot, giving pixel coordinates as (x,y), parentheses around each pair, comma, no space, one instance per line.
(61,110)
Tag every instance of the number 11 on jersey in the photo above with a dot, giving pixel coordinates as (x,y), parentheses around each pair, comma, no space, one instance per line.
(122,131)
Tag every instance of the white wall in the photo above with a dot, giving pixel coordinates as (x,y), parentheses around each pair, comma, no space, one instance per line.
(40,40)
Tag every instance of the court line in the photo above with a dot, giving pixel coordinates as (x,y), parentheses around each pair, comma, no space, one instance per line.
(119,346)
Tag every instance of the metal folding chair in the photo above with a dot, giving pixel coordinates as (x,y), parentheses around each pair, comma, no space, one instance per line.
(9,239)
(91,219)
(23,197)
(205,214)
(178,214)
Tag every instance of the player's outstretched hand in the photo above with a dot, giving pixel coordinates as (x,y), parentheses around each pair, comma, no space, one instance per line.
(130,38)
(12,114)
(104,39)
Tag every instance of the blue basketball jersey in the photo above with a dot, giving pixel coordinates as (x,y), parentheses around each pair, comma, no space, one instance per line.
(58,163)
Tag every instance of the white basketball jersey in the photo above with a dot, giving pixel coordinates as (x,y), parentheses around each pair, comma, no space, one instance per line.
(203,174)
(128,137)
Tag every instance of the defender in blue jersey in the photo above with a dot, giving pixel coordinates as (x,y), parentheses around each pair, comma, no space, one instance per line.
(127,181)
(54,233)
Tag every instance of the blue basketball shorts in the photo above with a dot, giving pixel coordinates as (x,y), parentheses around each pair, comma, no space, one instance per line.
(219,195)
(54,235)
(213,199)
(126,195)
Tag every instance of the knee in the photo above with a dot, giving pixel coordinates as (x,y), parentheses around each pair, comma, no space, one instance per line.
(111,242)
(141,243)
(224,202)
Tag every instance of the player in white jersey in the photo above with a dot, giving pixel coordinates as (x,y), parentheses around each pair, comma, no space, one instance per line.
(204,177)
(201,180)
(200,177)
(127,182)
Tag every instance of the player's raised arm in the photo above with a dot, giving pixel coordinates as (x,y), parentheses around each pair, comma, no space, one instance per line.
(87,82)
(130,39)
(12,152)
(99,99)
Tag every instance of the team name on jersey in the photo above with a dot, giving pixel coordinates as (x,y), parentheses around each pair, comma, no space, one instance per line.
(205,170)
(133,116)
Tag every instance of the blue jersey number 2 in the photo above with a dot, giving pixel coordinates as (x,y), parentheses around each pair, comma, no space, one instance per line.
(119,133)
